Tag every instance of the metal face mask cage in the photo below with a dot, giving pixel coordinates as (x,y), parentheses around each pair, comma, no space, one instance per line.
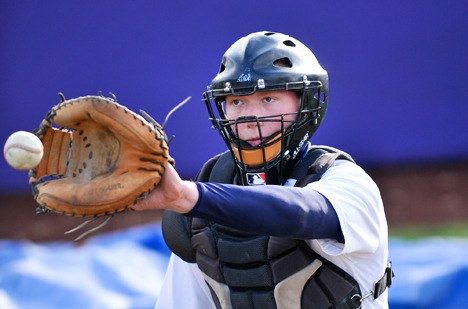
(274,150)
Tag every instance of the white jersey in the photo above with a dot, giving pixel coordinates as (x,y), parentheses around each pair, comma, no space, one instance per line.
(364,254)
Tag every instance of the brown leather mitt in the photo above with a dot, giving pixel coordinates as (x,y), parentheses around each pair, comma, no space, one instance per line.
(99,158)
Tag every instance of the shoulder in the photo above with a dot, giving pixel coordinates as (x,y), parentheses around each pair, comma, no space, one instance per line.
(204,173)
(220,168)
(348,172)
(345,180)
(357,201)
(351,191)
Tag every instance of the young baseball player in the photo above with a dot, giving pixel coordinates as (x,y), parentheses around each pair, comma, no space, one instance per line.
(273,222)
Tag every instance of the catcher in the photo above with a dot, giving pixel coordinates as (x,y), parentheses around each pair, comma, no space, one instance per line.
(273,222)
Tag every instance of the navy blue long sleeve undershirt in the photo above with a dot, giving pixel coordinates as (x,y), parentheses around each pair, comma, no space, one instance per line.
(273,210)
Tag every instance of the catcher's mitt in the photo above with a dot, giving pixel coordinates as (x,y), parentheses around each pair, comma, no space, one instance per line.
(99,158)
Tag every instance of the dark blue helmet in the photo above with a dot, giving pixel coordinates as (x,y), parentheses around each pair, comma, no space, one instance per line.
(266,61)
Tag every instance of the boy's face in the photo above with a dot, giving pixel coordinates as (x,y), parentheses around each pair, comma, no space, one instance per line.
(261,104)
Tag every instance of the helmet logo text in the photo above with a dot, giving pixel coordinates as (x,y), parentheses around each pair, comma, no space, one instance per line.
(245,77)
(301,144)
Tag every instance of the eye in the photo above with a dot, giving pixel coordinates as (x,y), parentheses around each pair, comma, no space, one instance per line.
(267,99)
(235,102)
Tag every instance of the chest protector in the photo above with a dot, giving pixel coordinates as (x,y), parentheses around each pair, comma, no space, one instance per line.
(245,270)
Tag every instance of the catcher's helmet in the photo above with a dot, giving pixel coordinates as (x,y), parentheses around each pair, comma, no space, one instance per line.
(266,61)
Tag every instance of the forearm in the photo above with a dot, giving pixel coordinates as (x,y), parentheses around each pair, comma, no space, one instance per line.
(271,210)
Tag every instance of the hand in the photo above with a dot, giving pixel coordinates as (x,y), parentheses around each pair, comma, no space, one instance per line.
(171,193)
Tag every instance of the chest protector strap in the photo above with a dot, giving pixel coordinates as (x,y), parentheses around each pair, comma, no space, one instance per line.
(245,270)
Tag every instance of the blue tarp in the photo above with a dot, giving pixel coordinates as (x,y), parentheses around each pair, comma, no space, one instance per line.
(119,270)
(124,269)
(430,273)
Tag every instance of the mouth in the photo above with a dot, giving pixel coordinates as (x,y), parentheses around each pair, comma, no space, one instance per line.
(254,142)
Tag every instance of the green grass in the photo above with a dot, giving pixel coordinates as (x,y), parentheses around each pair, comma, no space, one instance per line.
(456,229)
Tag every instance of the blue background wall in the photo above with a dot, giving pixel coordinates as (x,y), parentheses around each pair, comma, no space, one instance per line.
(398,70)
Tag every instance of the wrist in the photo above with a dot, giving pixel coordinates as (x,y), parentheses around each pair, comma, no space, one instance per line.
(188,197)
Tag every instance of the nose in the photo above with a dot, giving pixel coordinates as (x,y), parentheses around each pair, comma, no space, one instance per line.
(250,114)
(249,122)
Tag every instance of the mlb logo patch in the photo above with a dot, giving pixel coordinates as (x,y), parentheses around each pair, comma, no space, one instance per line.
(254,179)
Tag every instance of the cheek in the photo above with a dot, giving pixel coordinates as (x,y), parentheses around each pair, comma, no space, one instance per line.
(241,130)
(231,113)
(269,128)
(289,119)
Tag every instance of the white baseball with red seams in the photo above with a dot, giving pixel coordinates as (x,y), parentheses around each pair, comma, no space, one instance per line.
(23,150)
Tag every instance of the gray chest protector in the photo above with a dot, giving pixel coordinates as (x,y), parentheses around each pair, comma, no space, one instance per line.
(245,270)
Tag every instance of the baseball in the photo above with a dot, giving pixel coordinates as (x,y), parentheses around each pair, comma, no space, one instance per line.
(23,150)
